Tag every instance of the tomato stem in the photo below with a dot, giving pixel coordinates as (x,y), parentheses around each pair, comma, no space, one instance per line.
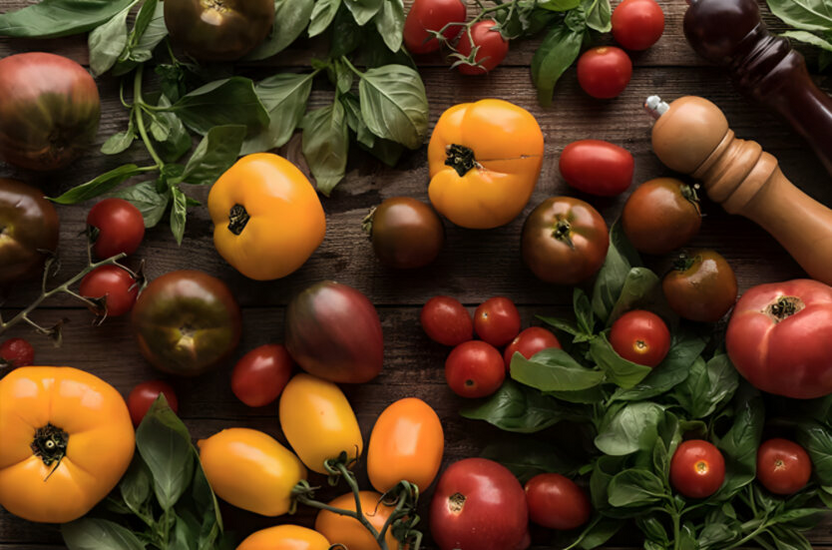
(137,109)
(460,158)
(367,222)
(683,262)
(562,231)
(689,192)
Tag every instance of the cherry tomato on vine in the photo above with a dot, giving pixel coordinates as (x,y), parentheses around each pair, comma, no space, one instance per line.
(702,286)
(446,321)
(529,342)
(492,47)
(661,215)
(604,72)
(115,285)
(432,15)
(556,502)
(17,352)
(783,466)
(475,369)
(143,395)
(261,374)
(597,167)
(120,227)
(497,321)
(697,469)
(640,337)
(637,24)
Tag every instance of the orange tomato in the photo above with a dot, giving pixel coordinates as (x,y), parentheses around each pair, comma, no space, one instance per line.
(285,537)
(349,531)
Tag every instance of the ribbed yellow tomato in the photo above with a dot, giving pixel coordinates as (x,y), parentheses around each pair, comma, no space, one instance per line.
(407,443)
(267,217)
(285,537)
(251,470)
(349,531)
(65,441)
(318,421)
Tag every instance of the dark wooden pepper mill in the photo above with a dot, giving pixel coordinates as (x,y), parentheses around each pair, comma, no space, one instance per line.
(763,66)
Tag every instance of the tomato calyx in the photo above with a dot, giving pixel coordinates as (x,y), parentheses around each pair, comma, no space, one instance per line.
(690,193)
(685,262)
(49,444)
(784,307)
(562,231)
(238,218)
(367,222)
(460,158)
(456,502)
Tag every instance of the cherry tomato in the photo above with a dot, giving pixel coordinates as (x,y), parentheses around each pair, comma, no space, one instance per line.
(637,24)
(597,167)
(556,502)
(406,233)
(143,395)
(475,369)
(640,337)
(432,15)
(702,287)
(120,227)
(17,352)
(261,374)
(118,288)
(529,342)
(446,321)
(492,47)
(497,321)
(783,466)
(661,215)
(604,72)
(697,469)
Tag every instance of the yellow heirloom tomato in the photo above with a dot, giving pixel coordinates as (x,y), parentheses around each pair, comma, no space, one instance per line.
(285,537)
(251,470)
(348,531)
(318,421)
(65,441)
(484,158)
(267,217)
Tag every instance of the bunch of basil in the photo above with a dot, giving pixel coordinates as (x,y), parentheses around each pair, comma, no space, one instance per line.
(812,21)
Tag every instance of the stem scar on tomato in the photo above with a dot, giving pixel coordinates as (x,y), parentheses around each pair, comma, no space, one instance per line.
(461,159)
(702,467)
(49,444)
(784,307)
(456,502)
(562,231)
(238,219)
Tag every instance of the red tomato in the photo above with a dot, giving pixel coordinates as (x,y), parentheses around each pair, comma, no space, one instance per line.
(497,321)
(637,24)
(479,505)
(17,352)
(492,47)
(475,369)
(556,502)
(597,167)
(529,342)
(446,321)
(783,466)
(780,338)
(120,227)
(432,15)
(640,337)
(143,396)
(697,469)
(604,72)
(111,282)
(261,374)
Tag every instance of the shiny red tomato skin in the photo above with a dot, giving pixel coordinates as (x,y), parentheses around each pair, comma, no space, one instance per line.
(493,48)
(640,337)
(143,395)
(529,342)
(697,469)
(474,369)
(446,321)
(120,227)
(783,466)
(433,15)
(604,72)
(260,375)
(119,287)
(597,167)
(637,24)
(497,321)
(556,502)
(479,505)
(17,352)
(791,357)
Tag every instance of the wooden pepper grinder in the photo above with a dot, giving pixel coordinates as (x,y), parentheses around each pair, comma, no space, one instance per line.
(763,66)
(691,135)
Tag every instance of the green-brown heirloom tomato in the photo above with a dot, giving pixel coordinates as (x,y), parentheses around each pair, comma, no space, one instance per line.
(661,215)
(406,233)
(218,30)
(186,322)
(564,241)
(702,286)
(28,228)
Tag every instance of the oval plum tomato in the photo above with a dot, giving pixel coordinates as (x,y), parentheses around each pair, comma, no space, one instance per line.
(261,374)
(143,395)
(285,537)
(475,369)
(118,288)
(348,532)
(556,502)
(783,466)
(16,352)
(697,469)
(597,167)
(640,337)
(119,227)
(497,321)
(604,72)
(637,24)
(529,342)
(446,321)
(406,233)
(661,215)
(432,15)
(479,505)
(702,286)
(492,47)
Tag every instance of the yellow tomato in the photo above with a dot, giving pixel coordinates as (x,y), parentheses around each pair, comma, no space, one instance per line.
(251,470)
(267,217)
(484,158)
(84,438)
(407,443)
(318,421)
(349,531)
(285,537)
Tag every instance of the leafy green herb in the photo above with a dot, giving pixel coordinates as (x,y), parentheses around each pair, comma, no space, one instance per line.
(707,386)
(621,372)
(554,370)
(228,101)
(621,258)
(54,18)
(555,54)
(284,96)
(527,458)
(291,18)
(629,429)
(107,42)
(325,145)
(147,199)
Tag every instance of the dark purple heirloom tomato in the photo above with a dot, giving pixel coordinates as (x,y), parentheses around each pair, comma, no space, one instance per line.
(28,231)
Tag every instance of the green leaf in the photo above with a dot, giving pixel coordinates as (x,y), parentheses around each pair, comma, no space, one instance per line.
(322,15)
(707,386)
(526,459)
(285,97)
(635,487)
(589,396)
(363,10)
(147,199)
(178,141)
(178,213)
(355,120)
(99,185)
(390,23)
(343,77)
(621,258)
(604,468)
(630,429)
(808,15)
(555,54)
(215,154)
(54,18)
(641,286)
(222,102)
(598,15)
(394,104)
(326,144)
(809,38)
(621,372)
(290,20)
(107,42)
(562,325)
(739,446)
(98,534)
(346,34)
(559,5)
(598,532)
(120,142)
(135,486)
(553,370)
(817,440)
(583,311)
(148,31)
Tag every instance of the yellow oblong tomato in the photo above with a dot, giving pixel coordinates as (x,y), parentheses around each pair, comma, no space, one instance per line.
(318,421)
(267,217)
(251,470)
(484,158)
(407,443)
(285,537)
(66,439)
(348,531)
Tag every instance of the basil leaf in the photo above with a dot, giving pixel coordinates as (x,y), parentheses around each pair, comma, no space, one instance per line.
(394,104)
(553,370)
(641,286)
(555,54)
(345,34)
(599,531)
(621,257)
(135,486)
(583,311)
(589,396)
(222,102)
(178,140)
(629,429)
(285,97)
(739,446)
(707,386)
(384,150)
(559,5)
(215,154)
(604,469)
(99,185)
(817,440)
(363,10)
(120,142)
(809,15)
(621,372)
(562,325)
(390,23)
(635,487)
(355,120)
(526,458)
(178,213)
(290,20)
(809,38)
(147,199)
(107,42)
(598,15)
(322,15)
(99,534)
(148,31)
(54,18)
(325,145)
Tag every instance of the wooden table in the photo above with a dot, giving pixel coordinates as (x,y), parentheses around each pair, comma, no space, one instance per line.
(473,266)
